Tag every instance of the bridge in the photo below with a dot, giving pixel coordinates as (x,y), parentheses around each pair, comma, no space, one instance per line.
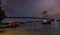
(26,19)
(3,16)
(37,19)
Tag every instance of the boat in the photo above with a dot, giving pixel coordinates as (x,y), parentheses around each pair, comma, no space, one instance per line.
(46,22)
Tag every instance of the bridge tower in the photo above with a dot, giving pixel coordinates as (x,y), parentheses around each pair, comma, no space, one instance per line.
(2,14)
(44,14)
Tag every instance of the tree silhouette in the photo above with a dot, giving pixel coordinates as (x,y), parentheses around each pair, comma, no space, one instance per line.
(2,14)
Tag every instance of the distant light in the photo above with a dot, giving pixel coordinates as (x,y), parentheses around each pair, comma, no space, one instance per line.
(44,20)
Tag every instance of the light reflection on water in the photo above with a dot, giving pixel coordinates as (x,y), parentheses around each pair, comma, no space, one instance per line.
(41,27)
(35,28)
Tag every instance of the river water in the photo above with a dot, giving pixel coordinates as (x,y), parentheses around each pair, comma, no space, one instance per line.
(36,28)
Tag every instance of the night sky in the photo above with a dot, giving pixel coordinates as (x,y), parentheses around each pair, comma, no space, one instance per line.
(31,8)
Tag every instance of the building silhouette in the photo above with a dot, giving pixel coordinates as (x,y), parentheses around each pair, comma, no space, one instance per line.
(2,14)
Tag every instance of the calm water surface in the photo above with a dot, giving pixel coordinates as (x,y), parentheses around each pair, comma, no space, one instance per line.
(36,28)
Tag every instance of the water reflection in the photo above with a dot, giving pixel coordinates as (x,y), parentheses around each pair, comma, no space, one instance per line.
(35,28)
(38,26)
